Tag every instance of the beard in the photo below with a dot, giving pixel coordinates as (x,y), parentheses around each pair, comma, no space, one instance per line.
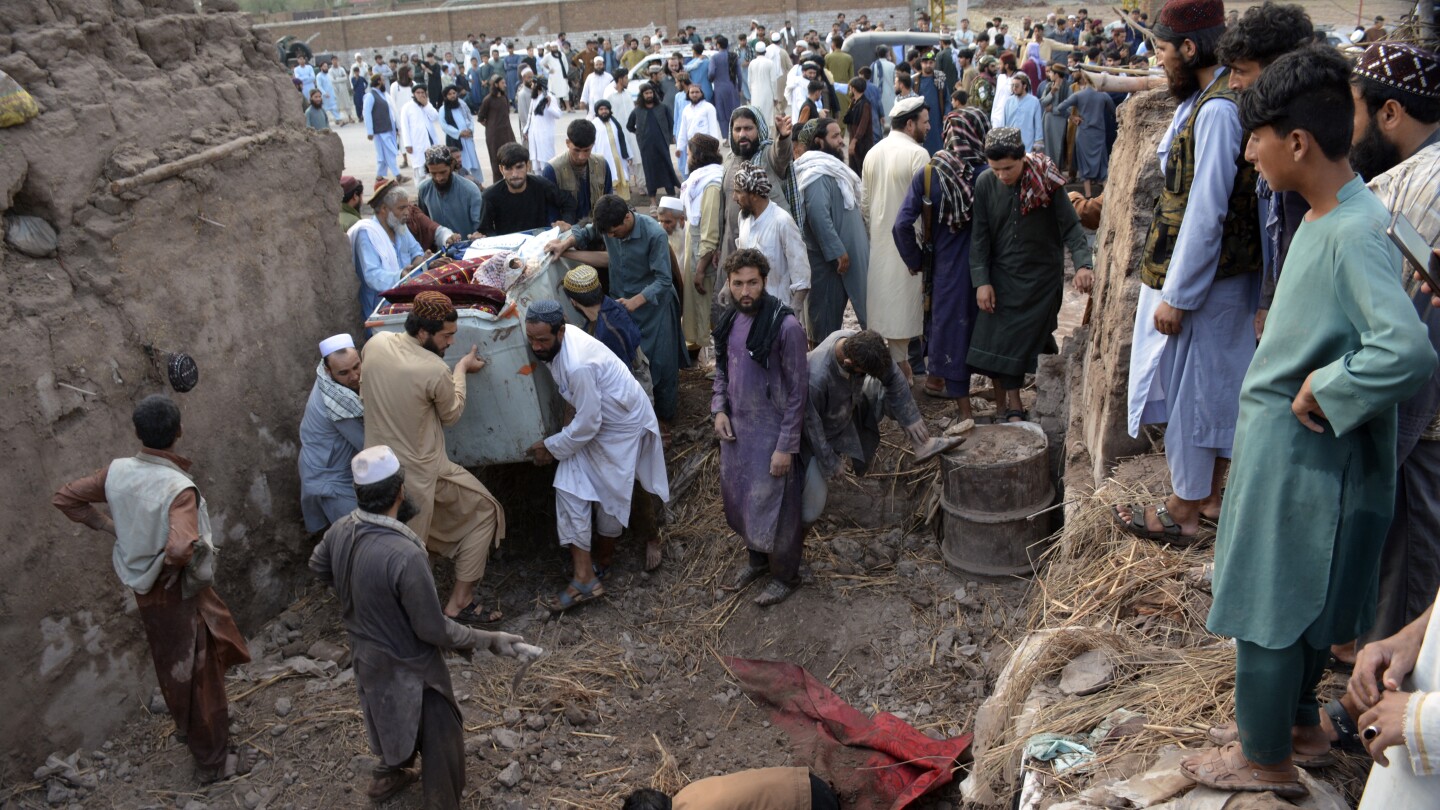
(549,354)
(393,221)
(1372,155)
(837,153)
(408,510)
(744,147)
(1182,83)
(750,308)
(430,346)
(604,118)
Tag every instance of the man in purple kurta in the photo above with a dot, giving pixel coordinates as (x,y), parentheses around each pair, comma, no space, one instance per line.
(761,382)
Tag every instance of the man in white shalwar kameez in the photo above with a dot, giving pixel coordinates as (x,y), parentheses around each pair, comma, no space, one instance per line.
(771,230)
(697,116)
(595,84)
(894,293)
(418,120)
(1398,679)
(763,74)
(610,144)
(622,105)
(612,442)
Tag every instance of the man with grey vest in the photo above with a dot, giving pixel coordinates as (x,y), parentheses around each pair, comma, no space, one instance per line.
(579,172)
(164,552)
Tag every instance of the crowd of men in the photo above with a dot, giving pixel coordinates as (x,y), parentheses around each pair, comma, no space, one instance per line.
(1278,337)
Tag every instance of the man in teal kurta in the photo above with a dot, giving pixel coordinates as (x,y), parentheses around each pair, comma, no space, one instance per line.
(1312,482)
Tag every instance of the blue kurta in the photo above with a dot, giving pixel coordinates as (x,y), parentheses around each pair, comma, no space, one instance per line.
(832,231)
(458,207)
(1024,113)
(1305,513)
(727,96)
(375,278)
(932,89)
(327,492)
(1092,153)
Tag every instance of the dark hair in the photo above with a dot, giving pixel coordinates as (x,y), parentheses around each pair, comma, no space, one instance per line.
(646,799)
(589,298)
(881,51)
(1206,40)
(377,498)
(414,323)
(822,125)
(512,154)
(904,79)
(376,80)
(580,133)
(869,352)
(960,97)
(722,42)
(815,86)
(1265,32)
(858,83)
(747,257)
(1302,90)
(619,73)
(1023,79)
(1005,151)
(609,212)
(704,151)
(697,49)
(157,422)
(1375,94)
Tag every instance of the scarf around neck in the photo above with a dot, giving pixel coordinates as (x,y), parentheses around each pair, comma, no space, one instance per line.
(693,189)
(340,402)
(787,183)
(762,335)
(956,164)
(1038,180)
(815,164)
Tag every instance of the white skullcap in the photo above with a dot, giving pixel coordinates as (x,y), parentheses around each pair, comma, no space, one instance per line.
(357,55)
(526,69)
(374,464)
(599,60)
(335,343)
(759,47)
(775,37)
(671,204)
(905,106)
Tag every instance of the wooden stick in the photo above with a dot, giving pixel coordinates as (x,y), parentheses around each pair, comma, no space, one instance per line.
(166,171)
(1119,71)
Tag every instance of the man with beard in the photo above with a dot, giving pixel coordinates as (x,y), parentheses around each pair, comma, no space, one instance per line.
(769,229)
(595,84)
(332,431)
(418,120)
(524,201)
(410,397)
(894,292)
(836,242)
(579,172)
(611,444)
(1194,325)
(982,97)
(454,202)
(458,124)
(761,383)
(381,576)
(315,111)
(650,122)
(524,96)
(930,86)
(750,143)
(697,117)
(383,248)
(612,146)
(495,118)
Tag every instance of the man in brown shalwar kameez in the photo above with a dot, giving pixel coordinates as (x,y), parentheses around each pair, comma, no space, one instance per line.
(164,553)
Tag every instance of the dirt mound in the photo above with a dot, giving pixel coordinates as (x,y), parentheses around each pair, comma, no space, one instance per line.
(238,262)
(997,444)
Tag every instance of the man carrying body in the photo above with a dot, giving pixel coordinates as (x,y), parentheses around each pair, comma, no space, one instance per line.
(580,173)
(750,143)
(771,230)
(446,197)
(611,444)
(410,397)
(419,120)
(523,201)
(332,431)
(381,576)
(759,410)
(836,241)
(378,246)
(1194,326)
(164,552)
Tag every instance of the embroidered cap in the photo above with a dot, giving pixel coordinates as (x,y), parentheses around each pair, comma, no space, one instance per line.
(1403,67)
(432,305)
(582,279)
(1180,17)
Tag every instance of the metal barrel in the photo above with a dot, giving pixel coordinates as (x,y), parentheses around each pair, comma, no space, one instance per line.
(986,498)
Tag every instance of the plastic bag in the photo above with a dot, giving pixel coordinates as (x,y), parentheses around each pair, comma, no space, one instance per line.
(16,105)
(32,236)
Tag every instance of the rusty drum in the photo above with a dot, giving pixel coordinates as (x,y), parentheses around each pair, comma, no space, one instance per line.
(990,485)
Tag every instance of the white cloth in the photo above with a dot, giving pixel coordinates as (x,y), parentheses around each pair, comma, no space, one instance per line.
(594,89)
(815,164)
(1412,780)
(344,96)
(894,304)
(399,96)
(619,166)
(542,131)
(698,118)
(763,73)
(554,70)
(694,188)
(621,105)
(775,234)
(1003,93)
(387,274)
(614,438)
(796,90)
(421,132)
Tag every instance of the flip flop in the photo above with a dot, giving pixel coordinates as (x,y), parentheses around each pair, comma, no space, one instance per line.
(584,593)
(1227,769)
(1230,732)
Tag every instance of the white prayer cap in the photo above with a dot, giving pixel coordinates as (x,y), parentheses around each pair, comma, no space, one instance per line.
(775,37)
(335,343)
(759,47)
(373,465)
(526,69)
(905,106)
(671,204)
(599,60)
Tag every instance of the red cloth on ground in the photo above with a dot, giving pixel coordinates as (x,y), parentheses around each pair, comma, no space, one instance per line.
(873,763)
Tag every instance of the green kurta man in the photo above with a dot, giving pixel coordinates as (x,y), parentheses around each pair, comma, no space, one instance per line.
(1313,477)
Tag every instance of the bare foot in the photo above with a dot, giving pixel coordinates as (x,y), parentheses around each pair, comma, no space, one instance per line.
(654,553)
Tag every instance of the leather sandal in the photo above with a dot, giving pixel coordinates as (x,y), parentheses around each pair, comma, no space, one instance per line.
(1227,769)
(1230,732)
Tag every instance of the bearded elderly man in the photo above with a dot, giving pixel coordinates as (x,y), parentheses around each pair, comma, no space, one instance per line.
(612,442)
(381,576)
(410,397)
(380,245)
(332,431)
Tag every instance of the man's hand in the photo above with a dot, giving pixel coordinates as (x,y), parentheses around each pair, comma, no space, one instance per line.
(1425,285)
(1387,716)
(780,464)
(169,575)
(369,137)
(699,281)
(1305,404)
(452,239)
(1260,322)
(465,133)
(723,430)
(677,153)
(472,361)
(842,265)
(502,644)
(409,150)
(1168,319)
(634,302)
(415,262)
(540,454)
(783,126)
(561,224)
(917,433)
(797,301)
(1084,280)
(1383,665)
(985,297)
(556,248)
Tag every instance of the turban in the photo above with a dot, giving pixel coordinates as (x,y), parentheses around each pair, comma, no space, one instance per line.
(545,311)
(1401,66)
(437,154)
(432,306)
(582,279)
(752,179)
(603,103)
(1007,137)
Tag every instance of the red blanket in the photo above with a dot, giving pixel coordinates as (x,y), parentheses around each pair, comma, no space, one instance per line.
(873,763)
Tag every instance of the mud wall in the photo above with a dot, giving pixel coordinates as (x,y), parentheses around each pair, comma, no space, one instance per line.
(238,262)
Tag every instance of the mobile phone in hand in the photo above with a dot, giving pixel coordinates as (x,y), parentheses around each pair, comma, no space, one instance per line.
(1416,250)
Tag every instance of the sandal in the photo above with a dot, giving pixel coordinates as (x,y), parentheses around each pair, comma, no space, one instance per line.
(774,593)
(1016,415)
(1227,769)
(1346,728)
(745,576)
(471,616)
(584,592)
(1169,533)
(1230,732)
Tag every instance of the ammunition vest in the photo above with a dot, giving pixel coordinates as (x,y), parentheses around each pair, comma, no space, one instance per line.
(567,181)
(1240,235)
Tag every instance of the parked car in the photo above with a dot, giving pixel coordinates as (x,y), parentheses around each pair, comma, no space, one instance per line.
(639,73)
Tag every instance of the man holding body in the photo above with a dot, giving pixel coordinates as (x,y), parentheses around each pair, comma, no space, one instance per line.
(759,409)
(164,552)
(382,248)
(613,147)
(771,230)
(446,197)
(410,397)
(579,172)
(1194,326)
(381,576)
(837,245)
(332,431)
(894,293)
(750,143)
(418,119)
(637,252)
(612,443)
(1314,471)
